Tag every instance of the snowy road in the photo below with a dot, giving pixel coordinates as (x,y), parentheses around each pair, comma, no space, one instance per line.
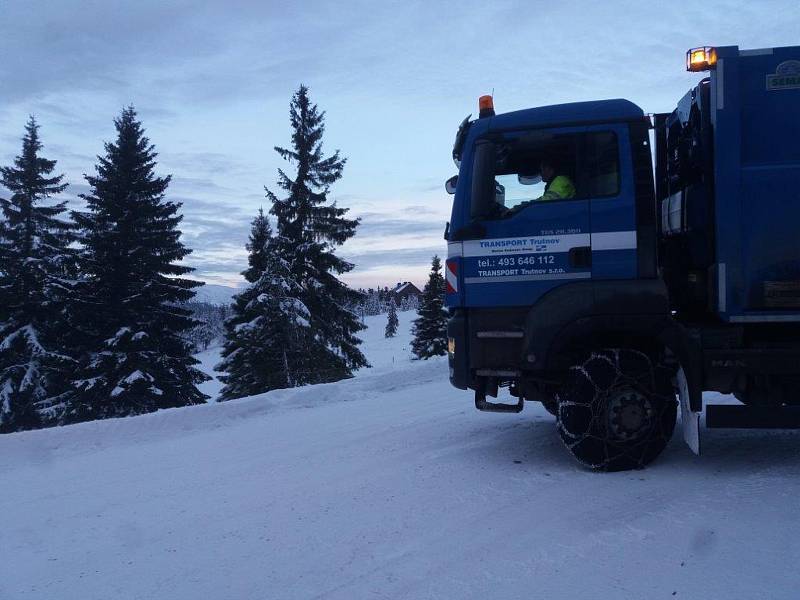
(386,486)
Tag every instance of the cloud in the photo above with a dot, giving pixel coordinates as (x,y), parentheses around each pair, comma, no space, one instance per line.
(401,256)
(180,50)
(69,159)
(205,162)
(375,225)
(95,48)
(416,209)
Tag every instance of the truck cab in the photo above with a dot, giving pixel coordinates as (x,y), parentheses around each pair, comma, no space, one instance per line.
(644,279)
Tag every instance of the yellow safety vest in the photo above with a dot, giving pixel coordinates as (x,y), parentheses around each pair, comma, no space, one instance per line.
(559,188)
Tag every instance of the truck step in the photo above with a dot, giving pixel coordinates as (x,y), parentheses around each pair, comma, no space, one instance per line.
(481,403)
(735,416)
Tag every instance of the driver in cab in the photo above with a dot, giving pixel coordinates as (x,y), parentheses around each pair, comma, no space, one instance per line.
(557,187)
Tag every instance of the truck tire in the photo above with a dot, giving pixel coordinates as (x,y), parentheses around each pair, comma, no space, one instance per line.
(551,406)
(616,410)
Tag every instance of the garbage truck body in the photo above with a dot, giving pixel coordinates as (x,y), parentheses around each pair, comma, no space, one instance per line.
(669,268)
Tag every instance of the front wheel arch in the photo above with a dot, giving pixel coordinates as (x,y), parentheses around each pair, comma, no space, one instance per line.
(660,337)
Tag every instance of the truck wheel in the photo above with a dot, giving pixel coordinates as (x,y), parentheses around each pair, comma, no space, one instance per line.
(616,411)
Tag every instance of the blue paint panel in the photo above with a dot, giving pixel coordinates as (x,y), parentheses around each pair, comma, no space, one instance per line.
(770,245)
(770,120)
(508,293)
(757,176)
(614,264)
(727,153)
(616,214)
(546,219)
(543,219)
(573,113)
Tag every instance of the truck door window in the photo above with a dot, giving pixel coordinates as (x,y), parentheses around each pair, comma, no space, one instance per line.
(602,165)
(506,174)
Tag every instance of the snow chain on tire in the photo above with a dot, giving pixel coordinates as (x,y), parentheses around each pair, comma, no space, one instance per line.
(616,410)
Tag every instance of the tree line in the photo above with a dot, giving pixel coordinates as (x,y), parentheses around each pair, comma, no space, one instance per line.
(94,321)
(378,302)
(90,300)
(93,315)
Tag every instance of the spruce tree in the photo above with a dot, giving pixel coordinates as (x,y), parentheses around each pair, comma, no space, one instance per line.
(129,311)
(266,335)
(392,322)
(430,328)
(35,263)
(309,229)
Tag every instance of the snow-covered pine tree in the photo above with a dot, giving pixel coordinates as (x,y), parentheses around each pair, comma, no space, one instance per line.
(371,303)
(309,228)
(392,322)
(430,328)
(35,261)
(128,307)
(266,335)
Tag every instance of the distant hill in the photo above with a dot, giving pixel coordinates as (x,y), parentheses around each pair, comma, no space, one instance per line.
(215,294)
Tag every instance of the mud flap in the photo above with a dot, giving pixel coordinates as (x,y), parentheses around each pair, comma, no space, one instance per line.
(690,420)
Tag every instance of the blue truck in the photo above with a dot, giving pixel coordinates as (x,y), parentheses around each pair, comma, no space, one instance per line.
(672,266)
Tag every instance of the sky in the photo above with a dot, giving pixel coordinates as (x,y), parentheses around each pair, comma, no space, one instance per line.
(212,82)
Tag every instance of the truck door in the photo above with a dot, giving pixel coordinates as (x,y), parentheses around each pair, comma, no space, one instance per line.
(527,245)
(608,182)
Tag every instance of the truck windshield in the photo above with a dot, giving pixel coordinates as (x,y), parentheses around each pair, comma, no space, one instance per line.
(507,173)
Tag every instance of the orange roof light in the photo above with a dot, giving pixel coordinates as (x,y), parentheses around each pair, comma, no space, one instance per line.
(701,59)
(485,106)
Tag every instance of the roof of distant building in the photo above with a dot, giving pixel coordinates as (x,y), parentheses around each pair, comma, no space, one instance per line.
(405,286)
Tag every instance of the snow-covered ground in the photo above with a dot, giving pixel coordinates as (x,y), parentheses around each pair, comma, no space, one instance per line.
(389,485)
(383,353)
(208,360)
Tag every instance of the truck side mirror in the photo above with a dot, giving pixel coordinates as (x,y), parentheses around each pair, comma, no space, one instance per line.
(450,184)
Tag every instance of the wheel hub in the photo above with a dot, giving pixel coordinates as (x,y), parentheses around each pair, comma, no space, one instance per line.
(630,414)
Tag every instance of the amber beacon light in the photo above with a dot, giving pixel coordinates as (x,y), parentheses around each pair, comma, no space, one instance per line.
(485,106)
(701,59)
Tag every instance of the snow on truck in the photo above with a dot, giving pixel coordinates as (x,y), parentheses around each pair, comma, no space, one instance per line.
(581,277)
